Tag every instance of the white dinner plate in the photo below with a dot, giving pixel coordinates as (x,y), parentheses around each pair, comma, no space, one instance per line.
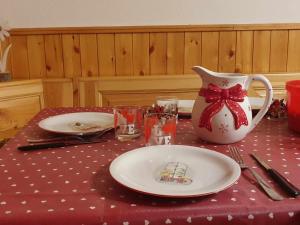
(80,123)
(185,107)
(175,171)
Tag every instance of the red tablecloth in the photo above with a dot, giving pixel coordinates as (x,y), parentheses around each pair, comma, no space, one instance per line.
(72,185)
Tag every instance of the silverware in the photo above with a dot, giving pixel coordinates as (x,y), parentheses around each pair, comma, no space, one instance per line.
(235,154)
(55,145)
(82,138)
(281,180)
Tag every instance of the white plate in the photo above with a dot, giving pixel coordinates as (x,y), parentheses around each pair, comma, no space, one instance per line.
(186,106)
(77,123)
(207,171)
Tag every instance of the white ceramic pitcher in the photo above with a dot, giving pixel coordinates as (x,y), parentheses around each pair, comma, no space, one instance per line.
(222,112)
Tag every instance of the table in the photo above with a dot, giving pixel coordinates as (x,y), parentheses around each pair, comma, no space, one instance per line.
(72,185)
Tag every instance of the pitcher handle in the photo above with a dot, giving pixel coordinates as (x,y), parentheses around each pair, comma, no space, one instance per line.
(268,99)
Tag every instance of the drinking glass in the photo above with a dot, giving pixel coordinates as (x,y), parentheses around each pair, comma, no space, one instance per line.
(159,128)
(167,104)
(293,104)
(127,122)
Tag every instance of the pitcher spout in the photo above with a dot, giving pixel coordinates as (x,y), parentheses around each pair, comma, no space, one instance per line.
(203,72)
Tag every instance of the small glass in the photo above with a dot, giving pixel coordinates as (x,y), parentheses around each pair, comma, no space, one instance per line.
(159,129)
(127,122)
(167,104)
(293,104)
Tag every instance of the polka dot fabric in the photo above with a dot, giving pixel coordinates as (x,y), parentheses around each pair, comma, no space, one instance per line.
(72,185)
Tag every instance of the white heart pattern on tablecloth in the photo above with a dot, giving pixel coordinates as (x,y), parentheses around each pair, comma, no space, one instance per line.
(250,217)
(209,218)
(189,219)
(271,215)
(291,214)
(229,217)
(168,221)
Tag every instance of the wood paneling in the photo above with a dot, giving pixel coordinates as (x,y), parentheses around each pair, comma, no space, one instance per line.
(58,92)
(279,50)
(106,54)
(210,50)
(141,54)
(19,102)
(123,45)
(227,51)
(175,53)
(89,55)
(52,53)
(192,51)
(71,55)
(293,64)
(158,53)
(261,51)
(244,51)
(36,56)
(54,56)
(19,57)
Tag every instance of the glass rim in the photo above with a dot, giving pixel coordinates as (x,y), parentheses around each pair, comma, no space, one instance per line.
(160,113)
(293,85)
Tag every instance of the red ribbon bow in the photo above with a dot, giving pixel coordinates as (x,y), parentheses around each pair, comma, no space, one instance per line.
(218,97)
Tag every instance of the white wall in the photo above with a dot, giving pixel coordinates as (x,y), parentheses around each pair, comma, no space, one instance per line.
(74,13)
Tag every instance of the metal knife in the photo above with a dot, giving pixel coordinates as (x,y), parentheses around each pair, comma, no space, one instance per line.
(55,145)
(281,180)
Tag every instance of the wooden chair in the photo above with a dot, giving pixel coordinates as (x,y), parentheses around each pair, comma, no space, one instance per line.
(19,102)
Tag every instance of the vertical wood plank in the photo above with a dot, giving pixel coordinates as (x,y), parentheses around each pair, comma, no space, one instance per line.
(261,51)
(54,56)
(293,64)
(71,55)
(175,53)
(89,55)
(279,51)
(19,60)
(106,54)
(72,61)
(210,50)
(141,53)
(158,53)
(192,51)
(123,43)
(244,51)
(36,56)
(227,51)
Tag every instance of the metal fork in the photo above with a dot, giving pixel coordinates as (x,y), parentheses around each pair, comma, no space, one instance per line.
(235,154)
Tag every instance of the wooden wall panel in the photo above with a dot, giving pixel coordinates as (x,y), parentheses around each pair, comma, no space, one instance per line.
(210,50)
(244,51)
(123,45)
(192,51)
(227,51)
(36,56)
(141,54)
(175,53)
(293,64)
(58,92)
(261,51)
(158,53)
(54,56)
(279,50)
(106,54)
(71,55)
(19,57)
(89,55)
(151,50)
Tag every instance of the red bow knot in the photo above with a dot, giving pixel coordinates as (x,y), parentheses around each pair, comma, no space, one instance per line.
(220,97)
